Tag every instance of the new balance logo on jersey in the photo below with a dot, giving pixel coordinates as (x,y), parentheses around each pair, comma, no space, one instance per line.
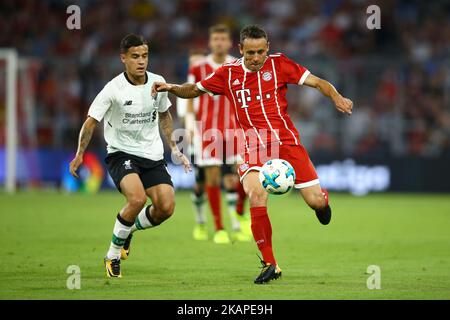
(127,164)
(128,103)
(236,82)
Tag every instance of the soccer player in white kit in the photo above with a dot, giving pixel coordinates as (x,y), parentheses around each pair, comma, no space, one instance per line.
(135,160)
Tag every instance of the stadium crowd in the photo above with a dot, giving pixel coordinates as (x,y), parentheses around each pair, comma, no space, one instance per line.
(398,76)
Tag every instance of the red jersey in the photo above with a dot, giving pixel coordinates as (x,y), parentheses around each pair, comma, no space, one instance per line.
(259,98)
(213,112)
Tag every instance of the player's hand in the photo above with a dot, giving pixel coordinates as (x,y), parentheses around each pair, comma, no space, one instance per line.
(183,159)
(344,105)
(75,164)
(160,87)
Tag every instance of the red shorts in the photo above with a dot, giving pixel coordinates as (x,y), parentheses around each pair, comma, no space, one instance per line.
(297,156)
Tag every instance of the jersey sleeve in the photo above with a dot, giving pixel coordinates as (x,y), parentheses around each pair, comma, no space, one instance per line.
(164,102)
(101,103)
(215,83)
(292,72)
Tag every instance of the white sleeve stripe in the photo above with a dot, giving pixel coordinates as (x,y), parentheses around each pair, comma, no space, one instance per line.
(254,168)
(304,76)
(199,85)
(306,184)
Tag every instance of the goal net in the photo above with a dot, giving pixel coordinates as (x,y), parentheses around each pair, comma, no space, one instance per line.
(18,81)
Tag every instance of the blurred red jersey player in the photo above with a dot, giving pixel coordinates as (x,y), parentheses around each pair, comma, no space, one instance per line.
(257,85)
(215,151)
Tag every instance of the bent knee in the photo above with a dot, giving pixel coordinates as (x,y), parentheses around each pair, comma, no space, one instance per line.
(137,202)
(257,197)
(164,211)
(167,210)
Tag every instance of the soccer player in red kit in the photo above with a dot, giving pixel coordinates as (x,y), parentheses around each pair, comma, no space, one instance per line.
(257,85)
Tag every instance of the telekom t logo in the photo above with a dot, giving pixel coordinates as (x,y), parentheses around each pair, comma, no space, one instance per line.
(243,96)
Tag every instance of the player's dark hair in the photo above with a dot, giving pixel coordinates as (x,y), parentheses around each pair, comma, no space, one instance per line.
(252,32)
(131,40)
(220,28)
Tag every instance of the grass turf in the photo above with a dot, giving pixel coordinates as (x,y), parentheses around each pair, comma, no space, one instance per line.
(407,236)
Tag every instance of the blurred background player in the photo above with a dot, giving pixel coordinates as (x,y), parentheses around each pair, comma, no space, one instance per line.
(257,84)
(215,113)
(198,193)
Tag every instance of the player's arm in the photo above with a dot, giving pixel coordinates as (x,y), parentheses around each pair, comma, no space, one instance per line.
(166,124)
(344,105)
(83,141)
(185,91)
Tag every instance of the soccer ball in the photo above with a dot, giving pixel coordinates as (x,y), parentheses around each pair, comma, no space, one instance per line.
(277,176)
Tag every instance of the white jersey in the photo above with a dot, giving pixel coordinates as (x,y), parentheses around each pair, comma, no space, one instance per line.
(130,116)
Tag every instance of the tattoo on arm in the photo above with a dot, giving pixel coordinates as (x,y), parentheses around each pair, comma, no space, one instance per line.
(85,137)
(186,91)
(166,123)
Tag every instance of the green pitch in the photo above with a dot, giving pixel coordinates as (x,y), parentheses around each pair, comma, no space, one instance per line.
(407,236)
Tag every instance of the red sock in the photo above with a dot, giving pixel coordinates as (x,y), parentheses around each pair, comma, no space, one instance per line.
(262,233)
(214,198)
(241,199)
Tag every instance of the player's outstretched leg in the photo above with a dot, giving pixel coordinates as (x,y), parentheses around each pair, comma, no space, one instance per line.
(261,227)
(131,187)
(317,199)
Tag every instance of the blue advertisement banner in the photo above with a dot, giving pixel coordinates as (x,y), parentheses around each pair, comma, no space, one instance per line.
(49,167)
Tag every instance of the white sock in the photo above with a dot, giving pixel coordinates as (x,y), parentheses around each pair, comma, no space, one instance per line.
(121,232)
(232,197)
(199,207)
(142,220)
